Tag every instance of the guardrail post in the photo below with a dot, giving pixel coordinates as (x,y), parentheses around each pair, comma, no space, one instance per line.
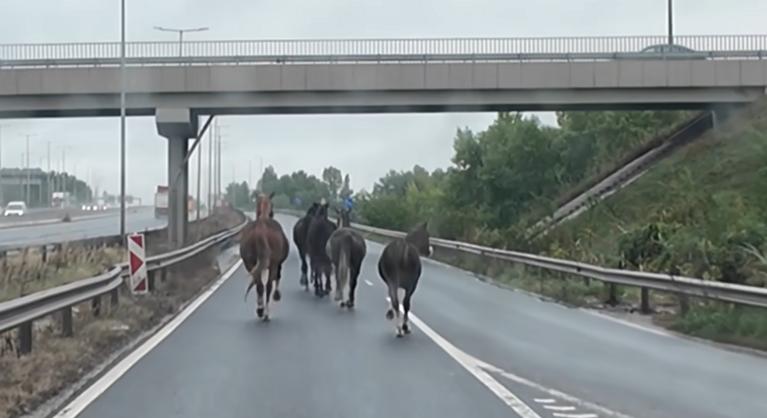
(96,306)
(66,322)
(114,299)
(150,280)
(44,254)
(612,297)
(645,302)
(25,338)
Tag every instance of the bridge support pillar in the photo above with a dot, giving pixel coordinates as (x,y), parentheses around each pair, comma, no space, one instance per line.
(177,126)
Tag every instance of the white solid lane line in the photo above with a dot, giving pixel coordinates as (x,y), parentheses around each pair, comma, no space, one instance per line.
(552,392)
(559,408)
(558,415)
(545,400)
(100,386)
(468,363)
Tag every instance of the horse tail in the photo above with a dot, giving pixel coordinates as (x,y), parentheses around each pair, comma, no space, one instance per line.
(262,262)
(344,260)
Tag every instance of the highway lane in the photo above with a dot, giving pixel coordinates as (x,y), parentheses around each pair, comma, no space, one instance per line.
(313,360)
(136,220)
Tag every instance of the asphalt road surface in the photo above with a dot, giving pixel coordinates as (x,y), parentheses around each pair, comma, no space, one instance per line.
(136,220)
(473,345)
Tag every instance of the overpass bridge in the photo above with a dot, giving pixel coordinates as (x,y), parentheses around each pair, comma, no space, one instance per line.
(373,76)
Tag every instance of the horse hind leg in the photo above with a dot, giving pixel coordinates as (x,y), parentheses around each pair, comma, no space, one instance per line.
(393,312)
(269,288)
(276,280)
(260,278)
(354,275)
(406,307)
(304,281)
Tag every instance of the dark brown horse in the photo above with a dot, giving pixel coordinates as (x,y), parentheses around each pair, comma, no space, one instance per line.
(400,268)
(320,229)
(346,249)
(263,248)
(300,231)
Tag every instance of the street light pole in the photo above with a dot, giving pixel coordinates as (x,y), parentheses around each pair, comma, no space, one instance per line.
(199,177)
(1,165)
(670,22)
(181,35)
(28,194)
(122,118)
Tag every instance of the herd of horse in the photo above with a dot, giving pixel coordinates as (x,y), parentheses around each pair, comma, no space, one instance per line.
(334,250)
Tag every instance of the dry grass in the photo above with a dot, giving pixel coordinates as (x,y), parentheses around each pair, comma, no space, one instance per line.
(57,363)
(25,273)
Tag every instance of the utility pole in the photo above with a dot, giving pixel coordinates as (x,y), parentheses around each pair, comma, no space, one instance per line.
(48,176)
(28,194)
(199,176)
(122,118)
(210,169)
(670,22)
(180,35)
(1,166)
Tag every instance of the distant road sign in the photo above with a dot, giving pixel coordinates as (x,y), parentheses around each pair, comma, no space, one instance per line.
(139,283)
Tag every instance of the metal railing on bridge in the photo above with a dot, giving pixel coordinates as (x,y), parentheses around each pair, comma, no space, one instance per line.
(373,47)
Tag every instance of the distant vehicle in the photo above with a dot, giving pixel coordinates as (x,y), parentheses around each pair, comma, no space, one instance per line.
(673,50)
(161,202)
(16,208)
(667,49)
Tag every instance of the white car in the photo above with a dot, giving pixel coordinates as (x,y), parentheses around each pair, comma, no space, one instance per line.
(15,209)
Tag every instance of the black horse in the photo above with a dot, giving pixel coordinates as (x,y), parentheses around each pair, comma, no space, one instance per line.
(346,249)
(320,229)
(300,231)
(400,268)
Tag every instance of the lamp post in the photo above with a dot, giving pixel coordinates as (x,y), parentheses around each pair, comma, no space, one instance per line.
(181,35)
(670,22)
(122,118)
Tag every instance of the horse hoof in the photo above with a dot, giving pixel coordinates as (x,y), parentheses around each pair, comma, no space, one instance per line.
(260,312)
(399,333)
(350,305)
(266,318)
(277,295)
(406,329)
(342,304)
(389,314)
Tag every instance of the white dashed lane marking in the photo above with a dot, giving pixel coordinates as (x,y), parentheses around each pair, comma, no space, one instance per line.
(558,415)
(368,282)
(545,400)
(559,408)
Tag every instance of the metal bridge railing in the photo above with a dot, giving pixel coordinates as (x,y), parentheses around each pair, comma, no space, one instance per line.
(325,47)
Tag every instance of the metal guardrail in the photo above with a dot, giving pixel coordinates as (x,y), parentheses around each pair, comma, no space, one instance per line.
(707,289)
(22,312)
(628,170)
(378,58)
(336,47)
(740,294)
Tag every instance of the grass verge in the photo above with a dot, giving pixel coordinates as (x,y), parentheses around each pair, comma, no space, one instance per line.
(57,362)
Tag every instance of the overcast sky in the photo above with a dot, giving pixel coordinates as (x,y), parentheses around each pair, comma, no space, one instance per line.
(374,143)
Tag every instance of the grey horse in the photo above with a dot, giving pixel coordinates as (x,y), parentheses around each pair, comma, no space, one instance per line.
(346,249)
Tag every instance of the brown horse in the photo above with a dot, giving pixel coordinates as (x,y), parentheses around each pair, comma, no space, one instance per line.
(263,248)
